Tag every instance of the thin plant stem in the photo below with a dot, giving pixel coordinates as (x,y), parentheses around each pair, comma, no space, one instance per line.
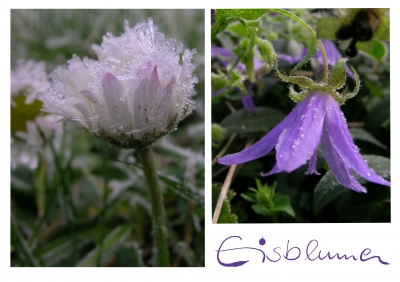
(105,200)
(225,187)
(323,52)
(157,206)
(66,196)
(224,191)
(220,154)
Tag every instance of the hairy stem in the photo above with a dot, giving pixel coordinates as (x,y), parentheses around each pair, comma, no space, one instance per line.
(157,206)
(323,52)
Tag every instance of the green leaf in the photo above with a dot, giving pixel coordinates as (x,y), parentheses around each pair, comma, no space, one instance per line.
(223,17)
(328,189)
(244,14)
(22,245)
(374,89)
(65,246)
(266,202)
(226,216)
(327,27)
(237,29)
(261,209)
(217,134)
(183,188)
(251,197)
(128,255)
(243,121)
(111,242)
(282,203)
(363,135)
(377,50)
(379,115)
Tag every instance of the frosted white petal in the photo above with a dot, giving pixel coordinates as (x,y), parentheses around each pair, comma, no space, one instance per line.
(136,92)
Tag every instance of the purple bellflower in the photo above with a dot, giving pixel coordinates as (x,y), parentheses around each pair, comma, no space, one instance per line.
(332,55)
(225,56)
(317,118)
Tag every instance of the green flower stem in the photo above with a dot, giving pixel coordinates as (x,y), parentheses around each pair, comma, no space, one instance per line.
(105,205)
(321,46)
(157,206)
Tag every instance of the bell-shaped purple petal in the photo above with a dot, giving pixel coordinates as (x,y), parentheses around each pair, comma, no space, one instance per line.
(263,146)
(312,166)
(298,142)
(317,117)
(339,136)
(338,168)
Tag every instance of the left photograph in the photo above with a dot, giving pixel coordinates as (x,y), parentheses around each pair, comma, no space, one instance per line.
(107,138)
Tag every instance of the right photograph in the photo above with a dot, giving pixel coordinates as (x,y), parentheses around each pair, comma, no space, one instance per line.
(300,115)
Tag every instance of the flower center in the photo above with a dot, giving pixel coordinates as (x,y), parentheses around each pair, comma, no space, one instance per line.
(21,113)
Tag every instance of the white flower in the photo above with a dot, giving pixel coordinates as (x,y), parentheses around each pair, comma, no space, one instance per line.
(30,77)
(27,146)
(133,95)
(29,126)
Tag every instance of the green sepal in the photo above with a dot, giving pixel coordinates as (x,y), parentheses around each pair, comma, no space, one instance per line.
(237,80)
(297,96)
(356,88)
(241,51)
(219,81)
(337,77)
(267,51)
(304,82)
(248,61)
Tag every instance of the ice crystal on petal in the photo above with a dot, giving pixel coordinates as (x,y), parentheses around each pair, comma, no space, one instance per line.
(137,92)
